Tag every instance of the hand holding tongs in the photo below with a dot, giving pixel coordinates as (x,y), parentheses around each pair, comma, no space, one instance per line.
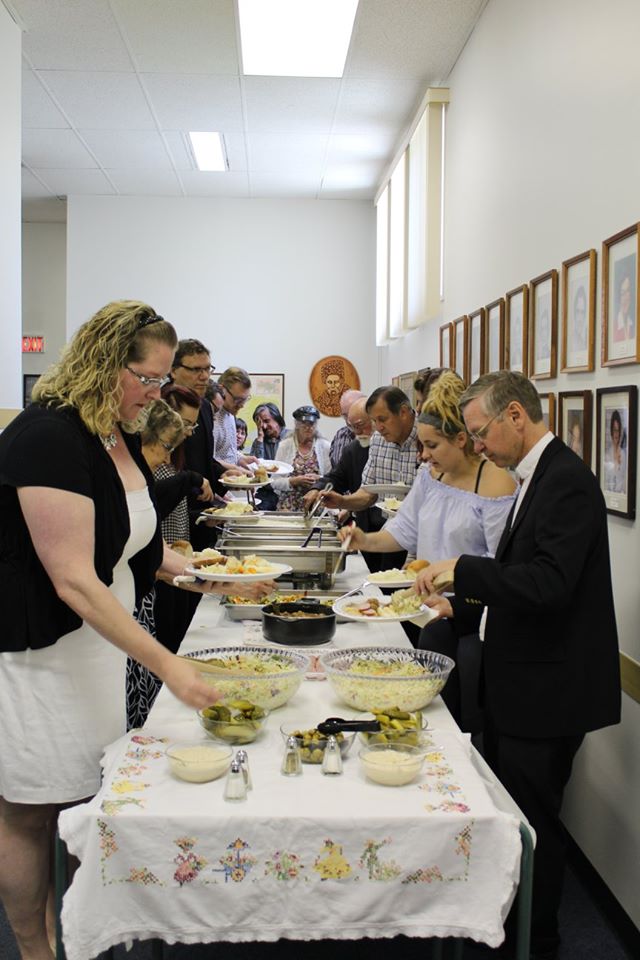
(318,503)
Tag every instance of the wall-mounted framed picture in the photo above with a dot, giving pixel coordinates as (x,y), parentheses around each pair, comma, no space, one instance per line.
(548,402)
(28,383)
(477,343)
(405,382)
(617,433)
(446,344)
(543,339)
(265,388)
(495,335)
(460,361)
(575,421)
(620,298)
(578,313)
(395,381)
(516,324)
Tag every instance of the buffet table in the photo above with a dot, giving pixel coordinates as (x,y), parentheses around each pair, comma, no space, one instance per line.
(304,858)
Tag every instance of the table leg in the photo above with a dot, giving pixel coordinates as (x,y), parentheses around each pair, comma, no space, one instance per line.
(436,949)
(157,949)
(523,929)
(60,886)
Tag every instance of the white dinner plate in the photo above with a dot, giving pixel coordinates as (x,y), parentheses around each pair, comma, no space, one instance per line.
(276,570)
(398,581)
(387,489)
(284,469)
(424,614)
(243,483)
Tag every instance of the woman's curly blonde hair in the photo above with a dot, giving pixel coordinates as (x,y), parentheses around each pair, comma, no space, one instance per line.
(87,376)
(441,409)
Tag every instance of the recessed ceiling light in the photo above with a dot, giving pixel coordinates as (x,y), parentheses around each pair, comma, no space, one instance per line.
(208,151)
(296,38)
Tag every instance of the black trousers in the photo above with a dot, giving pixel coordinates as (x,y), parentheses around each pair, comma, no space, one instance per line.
(535,772)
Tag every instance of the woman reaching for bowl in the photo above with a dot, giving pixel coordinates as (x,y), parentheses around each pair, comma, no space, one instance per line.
(79,541)
(458,502)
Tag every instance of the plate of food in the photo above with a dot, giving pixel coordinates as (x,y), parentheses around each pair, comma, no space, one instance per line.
(245,481)
(398,490)
(401,605)
(222,569)
(274,468)
(235,508)
(396,577)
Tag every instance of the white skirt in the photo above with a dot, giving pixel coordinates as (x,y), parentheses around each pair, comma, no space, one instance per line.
(60,706)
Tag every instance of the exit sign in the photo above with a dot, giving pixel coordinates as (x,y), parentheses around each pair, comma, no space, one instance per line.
(33,344)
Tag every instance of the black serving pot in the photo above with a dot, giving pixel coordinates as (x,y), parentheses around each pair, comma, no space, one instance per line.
(298,632)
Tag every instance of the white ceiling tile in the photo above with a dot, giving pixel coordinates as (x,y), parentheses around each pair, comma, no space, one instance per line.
(272,153)
(128,149)
(32,186)
(229,184)
(345,177)
(146,183)
(183,159)
(38,109)
(100,101)
(290,105)
(166,36)
(345,148)
(367,105)
(291,183)
(192,102)
(54,148)
(77,35)
(66,183)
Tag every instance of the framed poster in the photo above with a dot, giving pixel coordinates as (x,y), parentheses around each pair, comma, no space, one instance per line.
(578,313)
(548,402)
(575,421)
(516,325)
(265,388)
(405,382)
(28,383)
(495,336)
(617,424)
(544,326)
(477,343)
(620,306)
(446,344)
(460,359)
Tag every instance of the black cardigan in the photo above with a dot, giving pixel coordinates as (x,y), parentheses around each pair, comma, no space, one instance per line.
(51,447)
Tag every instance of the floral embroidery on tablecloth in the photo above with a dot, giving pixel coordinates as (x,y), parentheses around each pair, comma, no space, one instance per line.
(132,770)
(145,741)
(109,846)
(437,770)
(283,865)
(141,875)
(236,864)
(128,786)
(378,869)
(189,863)
(462,848)
(140,754)
(111,807)
(330,863)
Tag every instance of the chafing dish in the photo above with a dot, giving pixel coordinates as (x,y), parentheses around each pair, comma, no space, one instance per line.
(317,561)
(253,611)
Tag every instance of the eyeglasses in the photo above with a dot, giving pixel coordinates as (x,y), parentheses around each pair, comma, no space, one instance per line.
(208,369)
(238,401)
(479,435)
(149,381)
(190,425)
(167,446)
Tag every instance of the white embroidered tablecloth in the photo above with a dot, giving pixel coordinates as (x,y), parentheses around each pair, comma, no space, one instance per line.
(305,858)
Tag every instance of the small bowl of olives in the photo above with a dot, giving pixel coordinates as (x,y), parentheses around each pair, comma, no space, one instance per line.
(236,722)
(312,743)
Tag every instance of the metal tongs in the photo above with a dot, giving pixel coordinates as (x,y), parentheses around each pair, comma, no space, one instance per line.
(333,725)
(310,514)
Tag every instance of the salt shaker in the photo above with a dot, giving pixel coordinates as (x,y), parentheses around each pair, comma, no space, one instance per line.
(243,759)
(332,759)
(292,761)
(235,787)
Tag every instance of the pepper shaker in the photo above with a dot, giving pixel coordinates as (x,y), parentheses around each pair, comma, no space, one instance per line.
(235,787)
(243,759)
(292,760)
(332,759)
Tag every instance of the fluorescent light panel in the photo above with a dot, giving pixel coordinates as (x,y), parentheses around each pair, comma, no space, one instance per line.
(208,151)
(296,38)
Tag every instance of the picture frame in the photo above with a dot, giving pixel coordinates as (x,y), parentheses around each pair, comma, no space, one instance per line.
(616,448)
(28,383)
(577,353)
(477,336)
(265,388)
(548,402)
(516,326)
(494,359)
(446,344)
(460,358)
(575,421)
(405,383)
(621,298)
(543,339)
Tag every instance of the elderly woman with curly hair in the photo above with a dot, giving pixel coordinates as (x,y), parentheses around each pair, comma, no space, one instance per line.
(80,540)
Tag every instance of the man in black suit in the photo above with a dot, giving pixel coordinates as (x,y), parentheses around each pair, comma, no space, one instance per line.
(550,670)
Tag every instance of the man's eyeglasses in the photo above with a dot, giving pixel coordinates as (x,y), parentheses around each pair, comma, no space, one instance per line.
(208,369)
(149,381)
(238,401)
(479,435)
(189,425)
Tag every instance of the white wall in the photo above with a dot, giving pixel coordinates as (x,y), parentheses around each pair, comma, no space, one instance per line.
(44,290)
(272,286)
(10,142)
(543,140)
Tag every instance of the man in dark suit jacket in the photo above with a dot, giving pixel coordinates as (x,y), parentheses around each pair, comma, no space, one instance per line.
(550,670)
